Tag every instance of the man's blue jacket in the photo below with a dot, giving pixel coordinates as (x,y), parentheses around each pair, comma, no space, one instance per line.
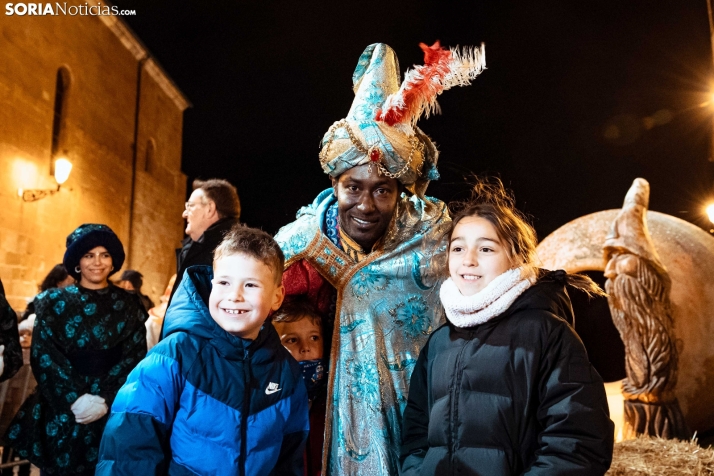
(206,402)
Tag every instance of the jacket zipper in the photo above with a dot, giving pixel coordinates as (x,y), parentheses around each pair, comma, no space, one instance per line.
(244,415)
(454,402)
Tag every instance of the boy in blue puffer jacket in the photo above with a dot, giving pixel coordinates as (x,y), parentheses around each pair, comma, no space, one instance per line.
(219,395)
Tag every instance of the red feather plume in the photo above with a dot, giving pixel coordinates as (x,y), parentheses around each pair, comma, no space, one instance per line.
(442,69)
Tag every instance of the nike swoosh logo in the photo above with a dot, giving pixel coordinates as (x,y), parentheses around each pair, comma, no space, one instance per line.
(269,391)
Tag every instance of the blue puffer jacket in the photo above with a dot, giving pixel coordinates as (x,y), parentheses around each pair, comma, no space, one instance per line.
(206,402)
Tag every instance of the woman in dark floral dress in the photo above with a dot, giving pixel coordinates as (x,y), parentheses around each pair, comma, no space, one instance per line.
(87,338)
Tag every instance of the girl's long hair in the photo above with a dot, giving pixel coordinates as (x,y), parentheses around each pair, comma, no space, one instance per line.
(492,201)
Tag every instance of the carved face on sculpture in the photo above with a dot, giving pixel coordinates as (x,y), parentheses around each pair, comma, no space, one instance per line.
(621,262)
(638,298)
(628,274)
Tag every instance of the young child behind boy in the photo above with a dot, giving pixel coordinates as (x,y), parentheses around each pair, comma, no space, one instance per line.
(505,387)
(300,329)
(219,395)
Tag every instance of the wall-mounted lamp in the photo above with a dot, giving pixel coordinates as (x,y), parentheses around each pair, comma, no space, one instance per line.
(63,167)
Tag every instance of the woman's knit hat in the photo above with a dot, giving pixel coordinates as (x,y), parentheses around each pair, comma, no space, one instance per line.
(87,237)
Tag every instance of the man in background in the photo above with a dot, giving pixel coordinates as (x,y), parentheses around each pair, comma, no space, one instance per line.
(211,211)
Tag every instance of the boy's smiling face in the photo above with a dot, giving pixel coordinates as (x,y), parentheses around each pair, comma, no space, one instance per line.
(243,294)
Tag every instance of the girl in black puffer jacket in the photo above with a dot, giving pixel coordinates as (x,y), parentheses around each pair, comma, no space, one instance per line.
(505,387)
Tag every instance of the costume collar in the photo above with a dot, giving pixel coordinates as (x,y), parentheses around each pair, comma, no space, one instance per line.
(353,249)
(413,216)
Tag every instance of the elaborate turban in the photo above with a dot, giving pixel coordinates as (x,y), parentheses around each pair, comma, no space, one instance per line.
(380,127)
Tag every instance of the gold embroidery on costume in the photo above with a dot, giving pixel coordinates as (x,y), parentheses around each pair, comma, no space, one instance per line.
(353,249)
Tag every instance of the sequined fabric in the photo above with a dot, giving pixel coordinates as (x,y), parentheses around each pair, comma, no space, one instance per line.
(387,305)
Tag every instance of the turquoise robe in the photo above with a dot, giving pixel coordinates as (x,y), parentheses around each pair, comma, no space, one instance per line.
(387,305)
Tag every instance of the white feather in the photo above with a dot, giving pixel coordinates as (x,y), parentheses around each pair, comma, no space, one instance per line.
(465,65)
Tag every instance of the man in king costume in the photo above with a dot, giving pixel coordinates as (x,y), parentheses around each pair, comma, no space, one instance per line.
(361,251)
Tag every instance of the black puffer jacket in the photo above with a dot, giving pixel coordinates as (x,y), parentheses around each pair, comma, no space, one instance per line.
(515,395)
(200,252)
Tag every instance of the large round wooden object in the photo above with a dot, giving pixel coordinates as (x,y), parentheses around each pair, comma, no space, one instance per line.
(688,253)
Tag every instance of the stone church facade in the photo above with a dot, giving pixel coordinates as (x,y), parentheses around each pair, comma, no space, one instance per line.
(84,88)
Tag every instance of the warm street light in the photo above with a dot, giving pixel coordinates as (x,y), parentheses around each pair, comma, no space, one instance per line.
(710,212)
(62,168)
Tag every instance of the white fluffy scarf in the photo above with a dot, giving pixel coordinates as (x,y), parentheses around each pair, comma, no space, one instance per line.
(491,301)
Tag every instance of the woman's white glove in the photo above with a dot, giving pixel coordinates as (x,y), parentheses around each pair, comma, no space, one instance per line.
(89,408)
(2,359)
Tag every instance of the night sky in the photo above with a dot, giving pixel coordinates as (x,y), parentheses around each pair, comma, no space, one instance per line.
(579,98)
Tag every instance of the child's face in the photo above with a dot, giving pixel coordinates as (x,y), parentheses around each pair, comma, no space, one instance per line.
(244,292)
(476,255)
(302,338)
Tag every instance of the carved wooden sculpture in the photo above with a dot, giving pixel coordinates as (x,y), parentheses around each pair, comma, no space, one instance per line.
(638,286)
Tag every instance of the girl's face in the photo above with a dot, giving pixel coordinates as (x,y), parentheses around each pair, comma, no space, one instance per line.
(476,255)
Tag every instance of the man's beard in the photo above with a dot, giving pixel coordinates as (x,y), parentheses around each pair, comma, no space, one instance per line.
(640,311)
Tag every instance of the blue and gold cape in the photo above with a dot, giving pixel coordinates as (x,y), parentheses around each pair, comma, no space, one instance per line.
(387,305)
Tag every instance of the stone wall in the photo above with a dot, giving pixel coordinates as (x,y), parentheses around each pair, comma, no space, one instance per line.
(103,59)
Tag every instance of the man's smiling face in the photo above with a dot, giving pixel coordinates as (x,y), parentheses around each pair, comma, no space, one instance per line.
(366,201)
